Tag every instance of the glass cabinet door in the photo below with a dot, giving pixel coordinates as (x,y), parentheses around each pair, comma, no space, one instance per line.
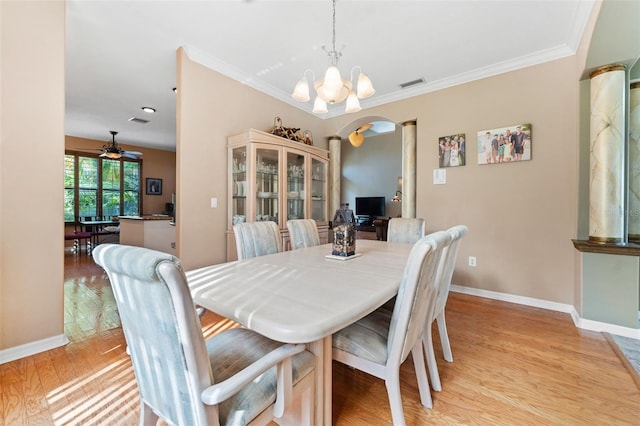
(239,185)
(267,167)
(295,186)
(318,190)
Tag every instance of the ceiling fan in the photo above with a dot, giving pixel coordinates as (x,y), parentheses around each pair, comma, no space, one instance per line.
(357,137)
(113,151)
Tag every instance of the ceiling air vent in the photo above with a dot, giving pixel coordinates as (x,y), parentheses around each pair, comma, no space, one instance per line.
(138,120)
(412,83)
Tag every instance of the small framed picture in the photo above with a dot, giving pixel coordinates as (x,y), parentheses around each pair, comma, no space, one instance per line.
(452,150)
(154,186)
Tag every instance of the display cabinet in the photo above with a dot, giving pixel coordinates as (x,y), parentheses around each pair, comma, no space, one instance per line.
(272,178)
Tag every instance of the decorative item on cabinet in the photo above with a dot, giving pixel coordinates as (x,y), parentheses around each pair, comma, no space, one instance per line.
(290,133)
(308,139)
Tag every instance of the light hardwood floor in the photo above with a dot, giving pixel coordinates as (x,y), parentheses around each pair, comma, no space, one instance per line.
(513,365)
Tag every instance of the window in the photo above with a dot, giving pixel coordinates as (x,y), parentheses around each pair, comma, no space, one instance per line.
(99,187)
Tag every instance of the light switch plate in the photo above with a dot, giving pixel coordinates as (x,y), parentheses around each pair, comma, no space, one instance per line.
(439,176)
(214,202)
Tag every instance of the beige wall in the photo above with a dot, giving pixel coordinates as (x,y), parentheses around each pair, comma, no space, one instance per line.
(210,108)
(521,216)
(31,171)
(156,163)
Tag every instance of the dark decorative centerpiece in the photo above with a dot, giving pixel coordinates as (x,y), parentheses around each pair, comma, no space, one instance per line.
(291,133)
(344,232)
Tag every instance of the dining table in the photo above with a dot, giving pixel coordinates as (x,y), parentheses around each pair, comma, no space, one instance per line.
(96,227)
(303,296)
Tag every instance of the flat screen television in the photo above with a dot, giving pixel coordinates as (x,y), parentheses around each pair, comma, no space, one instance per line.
(370,206)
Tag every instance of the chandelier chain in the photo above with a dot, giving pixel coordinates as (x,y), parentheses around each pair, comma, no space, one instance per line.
(334,25)
(333,53)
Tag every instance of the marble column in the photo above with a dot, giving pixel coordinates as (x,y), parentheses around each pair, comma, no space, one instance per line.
(607,141)
(335,172)
(634,162)
(409,142)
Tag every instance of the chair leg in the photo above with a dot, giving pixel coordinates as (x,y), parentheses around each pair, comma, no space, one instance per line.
(427,342)
(147,416)
(395,400)
(444,337)
(421,374)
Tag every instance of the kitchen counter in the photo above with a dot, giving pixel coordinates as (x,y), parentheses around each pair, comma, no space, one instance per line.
(156,232)
(148,217)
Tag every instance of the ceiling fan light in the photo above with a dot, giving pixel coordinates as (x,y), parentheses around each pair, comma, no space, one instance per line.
(353,104)
(319,106)
(113,155)
(365,87)
(356,139)
(301,92)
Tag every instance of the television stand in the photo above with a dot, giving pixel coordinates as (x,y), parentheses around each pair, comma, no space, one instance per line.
(365,228)
(365,220)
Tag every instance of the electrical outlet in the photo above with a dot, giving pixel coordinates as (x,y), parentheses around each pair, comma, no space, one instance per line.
(472,261)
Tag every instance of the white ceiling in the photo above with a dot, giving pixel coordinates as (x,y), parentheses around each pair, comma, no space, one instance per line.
(121,55)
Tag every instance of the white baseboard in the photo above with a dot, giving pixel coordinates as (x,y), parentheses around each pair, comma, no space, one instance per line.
(32,348)
(553,306)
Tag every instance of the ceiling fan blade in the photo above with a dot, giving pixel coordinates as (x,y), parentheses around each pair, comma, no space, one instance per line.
(90,149)
(356,138)
(133,152)
(129,155)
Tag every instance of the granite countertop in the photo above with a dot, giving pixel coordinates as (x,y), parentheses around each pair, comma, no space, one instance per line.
(148,217)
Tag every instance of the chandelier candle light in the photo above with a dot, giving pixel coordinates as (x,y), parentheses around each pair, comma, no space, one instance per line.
(333,88)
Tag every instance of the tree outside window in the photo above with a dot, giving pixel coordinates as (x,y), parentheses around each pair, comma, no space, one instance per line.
(100,187)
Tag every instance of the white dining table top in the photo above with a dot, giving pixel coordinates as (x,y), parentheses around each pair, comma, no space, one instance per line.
(300,296)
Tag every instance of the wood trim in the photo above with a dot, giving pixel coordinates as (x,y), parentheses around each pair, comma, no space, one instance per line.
(587,246)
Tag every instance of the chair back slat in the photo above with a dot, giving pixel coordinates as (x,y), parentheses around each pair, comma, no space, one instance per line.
(405,230)
(257,239)
(303,233)
(162,330)
(448,264)
(416,295)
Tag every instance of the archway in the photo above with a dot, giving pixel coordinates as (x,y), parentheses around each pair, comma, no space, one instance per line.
(405,182)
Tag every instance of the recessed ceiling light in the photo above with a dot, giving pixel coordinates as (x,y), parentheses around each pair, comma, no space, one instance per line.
(150,110)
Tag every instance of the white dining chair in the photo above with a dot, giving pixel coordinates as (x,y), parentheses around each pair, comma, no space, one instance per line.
(380,342)
(445,272)
(303,233)
(405,229)
(257,239)
(236,377)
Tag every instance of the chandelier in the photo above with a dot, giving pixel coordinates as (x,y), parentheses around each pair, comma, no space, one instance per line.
(333,88)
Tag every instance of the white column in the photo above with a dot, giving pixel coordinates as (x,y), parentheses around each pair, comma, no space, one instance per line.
(634,162)
(607,138)
(335,173)
(409,169)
